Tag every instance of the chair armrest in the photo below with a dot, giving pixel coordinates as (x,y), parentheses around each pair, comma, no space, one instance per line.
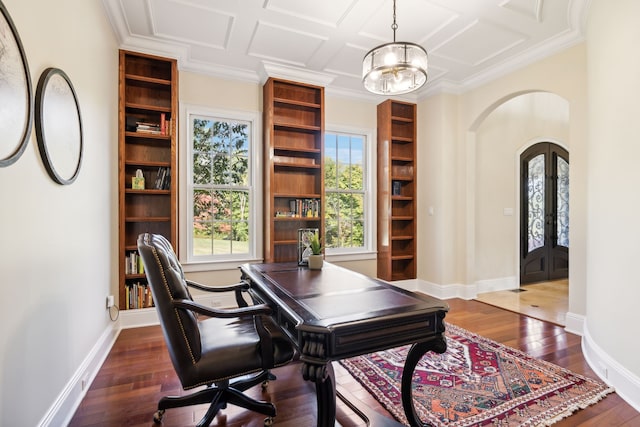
(253,310)
(242,286)
(238,288)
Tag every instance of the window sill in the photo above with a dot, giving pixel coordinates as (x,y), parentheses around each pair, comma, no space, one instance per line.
(196,266)
(351,256)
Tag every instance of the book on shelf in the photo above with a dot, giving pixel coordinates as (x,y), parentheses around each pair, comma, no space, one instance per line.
(302,208)
(138,295)
(162,127)
(163,178)
(133,263)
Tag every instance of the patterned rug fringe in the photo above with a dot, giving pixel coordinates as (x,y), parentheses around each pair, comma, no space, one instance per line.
(577,407)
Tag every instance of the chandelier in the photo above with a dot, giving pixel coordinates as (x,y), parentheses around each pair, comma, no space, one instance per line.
(394,68)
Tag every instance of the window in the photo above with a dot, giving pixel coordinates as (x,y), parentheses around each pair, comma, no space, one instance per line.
(220,197)
(347,201)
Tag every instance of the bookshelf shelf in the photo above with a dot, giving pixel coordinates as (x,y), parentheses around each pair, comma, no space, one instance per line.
(147,79)
(396,190)
(143,135)
(148,104)
(142,107)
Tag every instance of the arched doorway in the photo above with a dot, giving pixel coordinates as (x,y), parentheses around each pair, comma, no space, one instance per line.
(544,208)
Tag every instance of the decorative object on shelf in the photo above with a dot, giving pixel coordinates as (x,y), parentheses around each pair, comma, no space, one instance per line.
(58,126)
(15,91)
(396,188)
(315,259)
(137,182)
(394,68)
(305,236)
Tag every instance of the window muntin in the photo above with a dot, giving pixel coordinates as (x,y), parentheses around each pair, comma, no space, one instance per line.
(220,189)
(345,192)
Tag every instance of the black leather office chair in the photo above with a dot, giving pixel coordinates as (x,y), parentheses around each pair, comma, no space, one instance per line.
(228,352)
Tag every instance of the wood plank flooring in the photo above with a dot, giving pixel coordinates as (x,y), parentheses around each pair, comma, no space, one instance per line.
(138,372)
(545,300)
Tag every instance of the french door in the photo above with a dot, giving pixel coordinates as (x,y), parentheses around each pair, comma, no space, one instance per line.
(544,207)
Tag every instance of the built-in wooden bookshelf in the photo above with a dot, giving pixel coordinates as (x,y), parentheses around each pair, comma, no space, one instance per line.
(294,159)
(148,111)
(396,190)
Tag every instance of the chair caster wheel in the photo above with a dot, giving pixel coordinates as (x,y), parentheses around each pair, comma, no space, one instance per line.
(268,421)
(157,417)
(265,384)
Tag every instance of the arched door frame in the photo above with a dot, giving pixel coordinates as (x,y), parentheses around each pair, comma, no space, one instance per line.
(470,191)
(518,188)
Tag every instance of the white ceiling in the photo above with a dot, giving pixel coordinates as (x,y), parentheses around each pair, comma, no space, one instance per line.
(469,42)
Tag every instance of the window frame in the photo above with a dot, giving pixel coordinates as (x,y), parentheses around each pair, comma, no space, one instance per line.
(367,251)
(189,261)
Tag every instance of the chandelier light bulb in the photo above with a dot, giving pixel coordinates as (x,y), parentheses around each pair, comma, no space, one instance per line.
(395,68)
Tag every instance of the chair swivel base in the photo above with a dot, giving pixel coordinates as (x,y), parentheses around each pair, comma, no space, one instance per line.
(219,395)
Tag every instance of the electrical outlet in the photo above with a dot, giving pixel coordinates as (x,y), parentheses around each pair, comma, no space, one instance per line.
(110,302)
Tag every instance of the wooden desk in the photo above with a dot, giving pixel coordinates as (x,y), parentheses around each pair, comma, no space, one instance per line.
(335,313)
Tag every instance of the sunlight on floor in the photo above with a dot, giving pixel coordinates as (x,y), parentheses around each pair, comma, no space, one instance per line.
(546,300)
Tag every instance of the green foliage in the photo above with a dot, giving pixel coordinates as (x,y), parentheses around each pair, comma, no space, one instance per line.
(344,205)
(314,244)
(220,164)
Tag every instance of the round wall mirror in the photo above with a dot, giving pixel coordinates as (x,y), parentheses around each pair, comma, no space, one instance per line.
(58,126)
(16,108)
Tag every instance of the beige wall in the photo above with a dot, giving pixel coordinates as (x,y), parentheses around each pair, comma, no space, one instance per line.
(456,132)
(197,90)
(503,135)
(58,243)
(613,229)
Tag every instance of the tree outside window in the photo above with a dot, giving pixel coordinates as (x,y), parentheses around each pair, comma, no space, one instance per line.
(221,187)
(344,191)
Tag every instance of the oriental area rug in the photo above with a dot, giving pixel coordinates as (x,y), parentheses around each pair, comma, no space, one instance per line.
(477,382)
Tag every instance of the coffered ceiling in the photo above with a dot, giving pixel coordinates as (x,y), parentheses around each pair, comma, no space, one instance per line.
(469,42)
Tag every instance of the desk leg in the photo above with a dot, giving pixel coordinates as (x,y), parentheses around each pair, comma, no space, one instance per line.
(439,345)
(325,380)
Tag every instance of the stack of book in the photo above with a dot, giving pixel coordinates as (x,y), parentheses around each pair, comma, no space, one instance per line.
(146,127)
(149,125)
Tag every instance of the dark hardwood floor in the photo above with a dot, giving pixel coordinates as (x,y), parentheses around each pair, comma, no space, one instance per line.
(138,372)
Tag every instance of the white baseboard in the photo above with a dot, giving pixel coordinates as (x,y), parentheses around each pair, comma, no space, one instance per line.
(65,405)
(439,291)
(67,402)
(574,323)
(499,284)
(627,385)
(457,290)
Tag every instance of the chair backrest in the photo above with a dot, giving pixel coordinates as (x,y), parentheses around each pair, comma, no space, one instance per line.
(167,282)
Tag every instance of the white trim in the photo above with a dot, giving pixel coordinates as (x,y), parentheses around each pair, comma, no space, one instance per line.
(455,290)
(574,323)
(349,254)
(627,384)
(185,204)
(65,405)
(499,284)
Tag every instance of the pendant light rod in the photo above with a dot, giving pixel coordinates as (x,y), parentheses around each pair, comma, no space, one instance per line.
(394,26)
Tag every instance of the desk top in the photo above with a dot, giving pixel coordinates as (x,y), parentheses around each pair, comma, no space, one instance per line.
(357,313)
